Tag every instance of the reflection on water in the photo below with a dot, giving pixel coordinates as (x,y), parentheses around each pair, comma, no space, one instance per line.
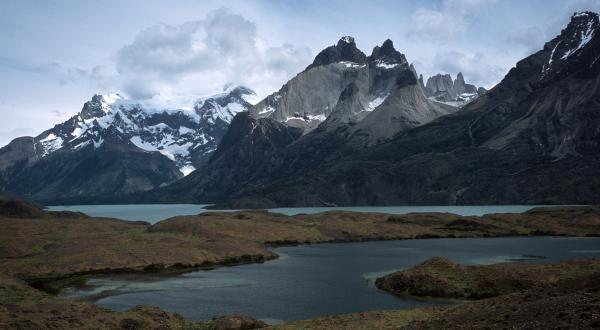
(98,288)
(320,279)
(500,259)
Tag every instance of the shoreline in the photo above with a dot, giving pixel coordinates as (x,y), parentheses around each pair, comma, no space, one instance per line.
(55,290)
(47,283)
(54,283)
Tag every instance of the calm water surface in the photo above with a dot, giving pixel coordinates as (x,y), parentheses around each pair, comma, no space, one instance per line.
(156,212)
(314,280)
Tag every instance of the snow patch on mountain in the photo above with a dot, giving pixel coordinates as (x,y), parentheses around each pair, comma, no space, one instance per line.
(186,170)
(252,98)
(347,39)
(51,143)
(377,102)
(385,65)
(266,110)
(352,64)
(585,37)
(307,118)
(98,144)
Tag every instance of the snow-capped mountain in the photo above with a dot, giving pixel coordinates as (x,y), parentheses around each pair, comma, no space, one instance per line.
(187,137)
(115,145)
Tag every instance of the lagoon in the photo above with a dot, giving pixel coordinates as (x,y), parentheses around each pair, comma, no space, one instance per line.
(314,280)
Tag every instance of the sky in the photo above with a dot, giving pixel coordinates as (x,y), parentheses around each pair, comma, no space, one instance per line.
(55,55)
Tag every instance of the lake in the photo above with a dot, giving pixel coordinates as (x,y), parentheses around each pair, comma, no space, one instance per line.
(315,280)
(156,212)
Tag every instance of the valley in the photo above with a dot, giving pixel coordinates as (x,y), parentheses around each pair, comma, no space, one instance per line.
(448,179)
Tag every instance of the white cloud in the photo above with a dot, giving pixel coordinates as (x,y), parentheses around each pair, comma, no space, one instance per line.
(445,23)
(476,67)
(532,38)
(8,135)
(200,57)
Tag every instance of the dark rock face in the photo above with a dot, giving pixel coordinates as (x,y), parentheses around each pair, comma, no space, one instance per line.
(531,139)
(574,52)
(248,153)
(113,168)
(387,53)
(344,50)
(19,151)
(95,108)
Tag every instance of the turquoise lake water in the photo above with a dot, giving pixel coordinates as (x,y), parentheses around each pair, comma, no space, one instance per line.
(156,212)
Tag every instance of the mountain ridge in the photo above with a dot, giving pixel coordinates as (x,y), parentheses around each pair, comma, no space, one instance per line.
(522,142)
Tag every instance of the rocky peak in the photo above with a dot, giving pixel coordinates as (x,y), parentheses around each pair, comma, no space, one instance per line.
(344,51)
(421,83)
(346,40)
(387,54)
(576,48)
(582,24)
(459,79)
(224,106)
(460,87)
(440,83)
(455,92)
(578,33)
(97,98)
(97,107)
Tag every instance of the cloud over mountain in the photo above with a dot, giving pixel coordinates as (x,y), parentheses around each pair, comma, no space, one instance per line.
(445,23)
(194,57)
(476,66)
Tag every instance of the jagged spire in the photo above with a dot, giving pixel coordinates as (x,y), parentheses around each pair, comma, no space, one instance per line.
(387,53)
(344,50)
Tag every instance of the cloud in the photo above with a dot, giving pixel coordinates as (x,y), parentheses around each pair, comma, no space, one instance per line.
(476,67)
(445,23)
(59,113)
(532,38)
(199,57)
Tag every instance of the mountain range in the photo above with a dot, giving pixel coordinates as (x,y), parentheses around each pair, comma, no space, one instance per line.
(115,146)
(350,129)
